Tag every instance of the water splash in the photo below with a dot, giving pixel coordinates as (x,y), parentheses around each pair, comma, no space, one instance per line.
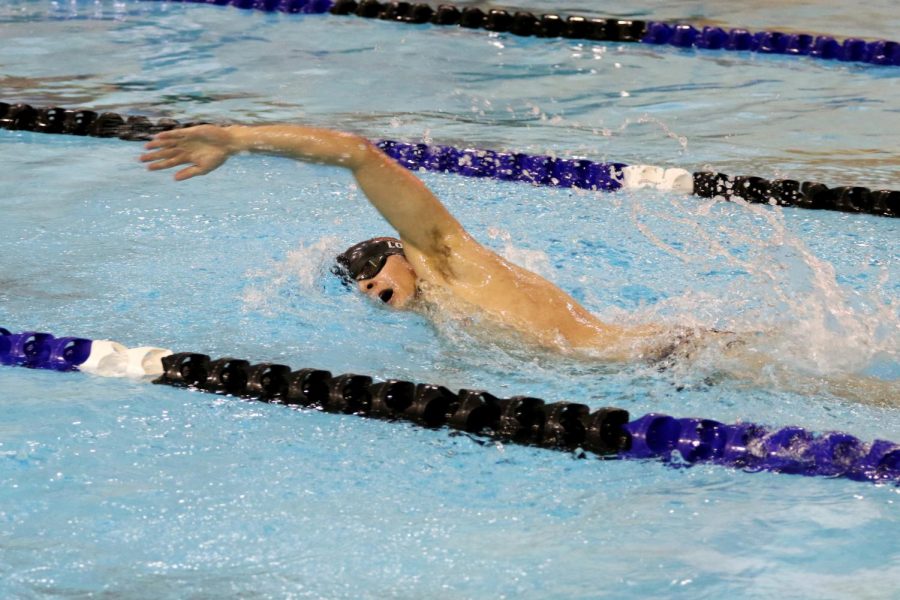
(536,261)
(810,320)
(646,119)
(274,286)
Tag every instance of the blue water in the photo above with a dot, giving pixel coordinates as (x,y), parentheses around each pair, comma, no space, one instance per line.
(118,488)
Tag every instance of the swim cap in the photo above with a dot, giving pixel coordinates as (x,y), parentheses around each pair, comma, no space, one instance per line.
(366,259)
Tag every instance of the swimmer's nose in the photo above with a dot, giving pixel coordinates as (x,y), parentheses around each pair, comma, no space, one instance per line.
(386,295)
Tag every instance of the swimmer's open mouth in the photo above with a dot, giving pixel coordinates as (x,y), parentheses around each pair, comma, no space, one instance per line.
(386,296)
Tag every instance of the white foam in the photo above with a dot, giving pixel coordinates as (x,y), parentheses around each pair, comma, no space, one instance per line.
(300,268)
(536,261)
(805,319)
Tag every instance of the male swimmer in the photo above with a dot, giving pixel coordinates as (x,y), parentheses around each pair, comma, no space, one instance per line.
(434,256)
(437,262)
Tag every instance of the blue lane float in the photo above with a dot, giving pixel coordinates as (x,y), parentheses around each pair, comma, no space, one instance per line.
(518,167)
(567,426)
(43,351)
(523,23)
(682,35)
(534,169)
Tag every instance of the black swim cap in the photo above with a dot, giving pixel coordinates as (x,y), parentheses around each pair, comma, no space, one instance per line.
(366,259)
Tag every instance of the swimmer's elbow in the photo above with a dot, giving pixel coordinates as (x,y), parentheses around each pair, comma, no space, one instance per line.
(361,153)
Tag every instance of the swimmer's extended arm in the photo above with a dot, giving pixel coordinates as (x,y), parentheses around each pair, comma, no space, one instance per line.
(401,197)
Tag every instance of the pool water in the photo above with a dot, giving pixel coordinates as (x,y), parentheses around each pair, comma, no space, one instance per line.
(119,488)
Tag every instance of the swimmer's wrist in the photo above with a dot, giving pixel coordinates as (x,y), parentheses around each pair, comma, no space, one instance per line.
(240,139)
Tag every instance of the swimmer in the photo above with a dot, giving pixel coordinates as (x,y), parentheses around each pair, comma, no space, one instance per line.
(433,258)
(436,262)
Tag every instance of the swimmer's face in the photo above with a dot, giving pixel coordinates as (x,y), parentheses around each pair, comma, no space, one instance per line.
(394,284)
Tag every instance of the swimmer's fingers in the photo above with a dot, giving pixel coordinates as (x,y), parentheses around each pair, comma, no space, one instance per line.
(176,138)
(202,147)
(202,166)
(196,168)
(158,155)
(192,171)
(166,139)
(156,144)
(161,163)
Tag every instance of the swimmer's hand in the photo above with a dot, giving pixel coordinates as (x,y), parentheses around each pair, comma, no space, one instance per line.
(204,148)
